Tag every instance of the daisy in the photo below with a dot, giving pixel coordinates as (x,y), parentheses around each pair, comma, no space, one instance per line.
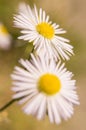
(5,38)
(36,27)
(45,87)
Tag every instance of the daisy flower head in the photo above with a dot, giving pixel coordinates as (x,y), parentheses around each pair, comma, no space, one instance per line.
(5,38)
(37,28)
(46,88)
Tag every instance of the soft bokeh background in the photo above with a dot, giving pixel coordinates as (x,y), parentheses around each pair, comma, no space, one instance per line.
(71,15)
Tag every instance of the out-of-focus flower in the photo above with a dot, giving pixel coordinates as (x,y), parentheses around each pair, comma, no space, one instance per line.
(44,34)
(4,117)
(46,88)
(5,38)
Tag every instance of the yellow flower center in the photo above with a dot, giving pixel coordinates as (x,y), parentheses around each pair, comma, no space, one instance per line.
(45,29)
(49,84)
(3,30)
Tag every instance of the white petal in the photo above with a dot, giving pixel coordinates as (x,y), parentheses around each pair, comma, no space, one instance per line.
(31,107)
(50,112)
(55,112)
(42,109)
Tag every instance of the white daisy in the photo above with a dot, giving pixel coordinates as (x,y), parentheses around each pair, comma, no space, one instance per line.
(36,27)
(5,38)
(46,88)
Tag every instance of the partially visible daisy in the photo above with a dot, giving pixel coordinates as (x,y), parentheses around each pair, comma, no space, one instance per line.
(44,34)
(46,88)
(5,38)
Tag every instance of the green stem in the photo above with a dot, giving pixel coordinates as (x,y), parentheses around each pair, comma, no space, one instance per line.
(14,100)
(9,103)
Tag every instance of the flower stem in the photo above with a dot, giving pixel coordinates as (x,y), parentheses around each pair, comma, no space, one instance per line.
(9,103)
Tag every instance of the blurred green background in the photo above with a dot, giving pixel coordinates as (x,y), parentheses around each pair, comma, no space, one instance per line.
(71,15)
